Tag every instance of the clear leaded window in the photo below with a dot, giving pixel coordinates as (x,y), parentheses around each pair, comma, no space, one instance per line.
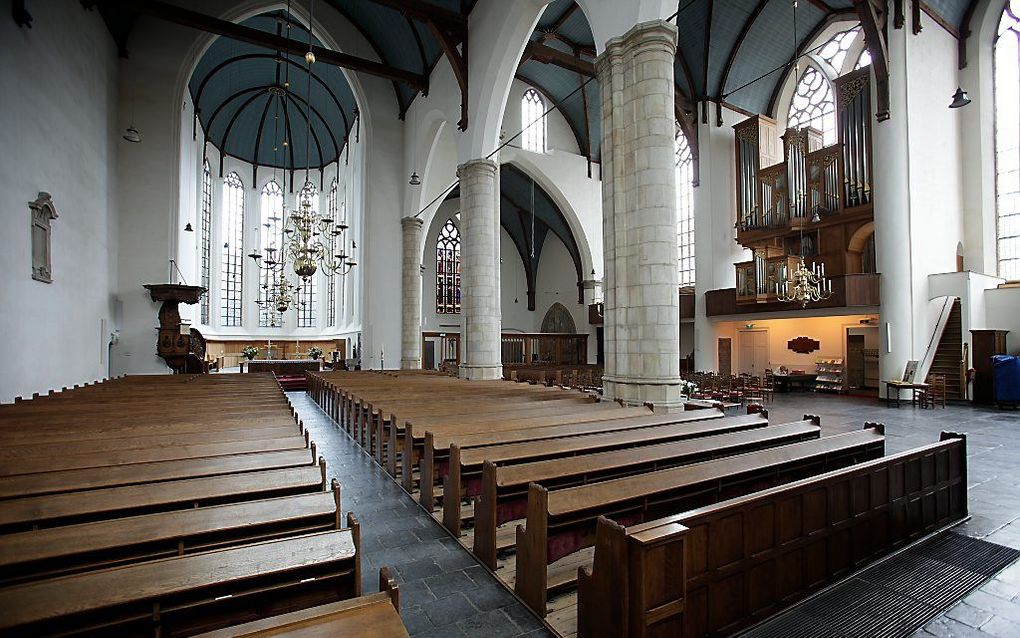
(813,105)
(533,121)
(205,248)
(232,270)
(864,60)
(448,270)
(1007,141)
(332,212)
(836,48)
(684,162)
(271,208)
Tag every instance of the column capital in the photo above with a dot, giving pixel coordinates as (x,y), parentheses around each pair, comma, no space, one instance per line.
(479,165)
(411,223)
(651,34)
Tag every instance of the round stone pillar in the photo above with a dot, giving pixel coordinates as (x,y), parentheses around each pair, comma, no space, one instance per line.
(410,325)
(642,311)
(479,279)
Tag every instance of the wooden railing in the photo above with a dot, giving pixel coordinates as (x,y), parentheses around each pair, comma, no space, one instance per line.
(861,289)
(558,349)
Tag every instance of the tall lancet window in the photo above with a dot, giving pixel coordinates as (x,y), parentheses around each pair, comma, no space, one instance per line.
(533,121)
(205,247)
(684,162)
(232,266)
(332,211)
(307,293)
(448,270)
(271,236)
(1007,141)
(813,105)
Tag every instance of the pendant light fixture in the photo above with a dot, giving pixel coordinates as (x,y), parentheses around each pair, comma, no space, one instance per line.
(132,135)
(960,99)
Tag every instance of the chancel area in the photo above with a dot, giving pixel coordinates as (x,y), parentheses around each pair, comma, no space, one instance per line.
(463,318)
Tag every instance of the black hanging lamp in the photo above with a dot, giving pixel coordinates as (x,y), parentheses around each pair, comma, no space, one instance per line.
(960,99)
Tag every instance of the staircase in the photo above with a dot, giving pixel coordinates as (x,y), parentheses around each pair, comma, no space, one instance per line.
(949,353)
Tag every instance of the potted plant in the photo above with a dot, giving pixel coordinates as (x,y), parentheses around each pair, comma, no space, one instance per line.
(687,388)
(315,352)
(249,352)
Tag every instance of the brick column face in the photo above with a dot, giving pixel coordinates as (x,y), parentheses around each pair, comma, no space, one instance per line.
(642,314)
(410,317)
(480,341)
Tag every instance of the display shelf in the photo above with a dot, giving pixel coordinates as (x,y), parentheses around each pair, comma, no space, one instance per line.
(831,375)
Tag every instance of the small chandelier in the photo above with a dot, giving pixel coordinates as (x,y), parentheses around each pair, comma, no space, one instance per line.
(804,285)
(309,238)
(277,295)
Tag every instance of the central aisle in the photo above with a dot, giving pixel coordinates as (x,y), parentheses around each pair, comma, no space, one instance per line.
(444,592)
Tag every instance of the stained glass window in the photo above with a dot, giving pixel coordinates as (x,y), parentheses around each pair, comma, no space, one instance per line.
(684,163)
(813,105)
(205,248)
(331,212)
(533,121)
(448,270)
(271,209)
(1007,141)
(232,270)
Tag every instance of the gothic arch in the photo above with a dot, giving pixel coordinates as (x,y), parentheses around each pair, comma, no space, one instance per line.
(558,319)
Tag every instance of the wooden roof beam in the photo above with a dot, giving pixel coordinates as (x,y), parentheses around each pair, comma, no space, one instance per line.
(548,55)
(195,20)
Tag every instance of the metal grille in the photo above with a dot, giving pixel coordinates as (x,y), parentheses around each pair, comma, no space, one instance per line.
(897,596)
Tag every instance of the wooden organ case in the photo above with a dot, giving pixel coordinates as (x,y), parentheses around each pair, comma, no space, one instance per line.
(791,183)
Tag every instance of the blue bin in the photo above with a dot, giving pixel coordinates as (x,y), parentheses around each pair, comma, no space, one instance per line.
(1007,378)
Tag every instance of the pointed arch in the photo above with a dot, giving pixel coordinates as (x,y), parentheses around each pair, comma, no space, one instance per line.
(448,269)
(232,263)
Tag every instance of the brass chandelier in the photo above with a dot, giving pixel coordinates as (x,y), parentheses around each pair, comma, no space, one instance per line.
(804,285)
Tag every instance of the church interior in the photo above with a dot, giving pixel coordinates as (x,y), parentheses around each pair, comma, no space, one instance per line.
(543,318)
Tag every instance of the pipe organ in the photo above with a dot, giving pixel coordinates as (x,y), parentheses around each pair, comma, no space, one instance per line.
(797,197)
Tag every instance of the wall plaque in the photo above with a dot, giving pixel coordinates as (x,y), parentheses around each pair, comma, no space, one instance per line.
(803,345)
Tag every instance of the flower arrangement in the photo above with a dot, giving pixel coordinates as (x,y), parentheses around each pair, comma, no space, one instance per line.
(687,388)
(315,352)
(249,352)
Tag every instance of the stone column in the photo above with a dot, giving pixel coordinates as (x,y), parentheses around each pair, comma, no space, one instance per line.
(642,313)
(410,327)
(479,283)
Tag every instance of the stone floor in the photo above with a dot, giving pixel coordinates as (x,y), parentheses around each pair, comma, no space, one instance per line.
(445,592)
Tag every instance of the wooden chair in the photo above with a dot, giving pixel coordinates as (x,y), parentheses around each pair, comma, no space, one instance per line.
(936,392)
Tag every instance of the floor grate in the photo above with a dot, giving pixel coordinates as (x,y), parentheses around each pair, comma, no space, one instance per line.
(897,596)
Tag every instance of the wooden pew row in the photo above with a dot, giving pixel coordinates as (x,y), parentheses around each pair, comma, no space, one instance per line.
(68,508)
(414,436)
(59,422)
(370,616)
(22,449)
(76,459)
(42,483)
(561,522)
(108,543)
(504,490)
(190,594)
(460,468)
(716,570)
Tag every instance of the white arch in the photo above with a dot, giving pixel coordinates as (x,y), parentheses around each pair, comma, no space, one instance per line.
(613,18)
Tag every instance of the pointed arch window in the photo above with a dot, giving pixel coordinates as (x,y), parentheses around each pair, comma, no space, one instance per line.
(205,246)
(448,270)
(864,60)
(271,236)
(331,212)
(1007,141)
(814,105)
(836,48)
(232,267)
(307,290)
(533,122)
(684,163)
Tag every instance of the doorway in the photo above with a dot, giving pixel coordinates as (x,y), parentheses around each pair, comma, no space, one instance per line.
(752,352)
(725,356)
(862,359)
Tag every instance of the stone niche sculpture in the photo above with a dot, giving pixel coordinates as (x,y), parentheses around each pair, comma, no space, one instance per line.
(43,212)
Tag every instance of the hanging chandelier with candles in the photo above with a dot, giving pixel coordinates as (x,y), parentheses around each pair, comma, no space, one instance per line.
(277,295)
(803,285)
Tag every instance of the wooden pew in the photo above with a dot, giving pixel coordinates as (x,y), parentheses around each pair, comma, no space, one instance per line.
(716,570)
(118,475)
(504,489)
(414,435)
(108,543)
(189,594)
(78,507)
(74,458)
(563,521)
(27,448)
(461,472)
(369,616)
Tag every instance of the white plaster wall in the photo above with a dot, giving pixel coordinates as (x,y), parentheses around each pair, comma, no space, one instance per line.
(513,288)
(62,135)
(1003,307)
(559,137)
(557,283)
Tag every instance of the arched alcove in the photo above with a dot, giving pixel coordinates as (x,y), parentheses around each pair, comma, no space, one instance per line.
(558,319)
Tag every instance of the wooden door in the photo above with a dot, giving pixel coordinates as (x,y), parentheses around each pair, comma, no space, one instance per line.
(430,355)
(725,357)
(855,361)
(753,351)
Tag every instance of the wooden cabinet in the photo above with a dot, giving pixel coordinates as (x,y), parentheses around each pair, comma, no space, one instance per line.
(984,345)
